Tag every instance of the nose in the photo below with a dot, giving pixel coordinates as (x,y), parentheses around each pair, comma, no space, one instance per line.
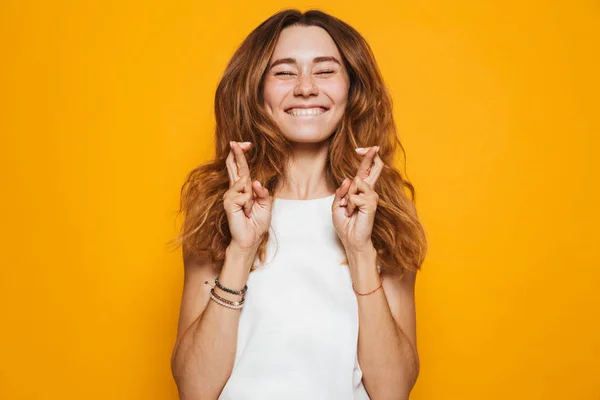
(305,86)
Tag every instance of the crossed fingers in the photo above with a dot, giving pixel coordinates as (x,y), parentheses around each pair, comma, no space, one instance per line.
(371,165)
(237,168)
(367,174)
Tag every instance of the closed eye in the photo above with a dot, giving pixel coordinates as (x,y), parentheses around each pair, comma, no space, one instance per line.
(291,73)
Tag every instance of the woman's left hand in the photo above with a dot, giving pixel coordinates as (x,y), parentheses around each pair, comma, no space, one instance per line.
(355,203)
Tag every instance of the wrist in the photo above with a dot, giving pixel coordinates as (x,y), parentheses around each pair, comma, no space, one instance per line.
(235,270)
(237,251)
(360,259)
(243,257)
(364,252)
(363,271)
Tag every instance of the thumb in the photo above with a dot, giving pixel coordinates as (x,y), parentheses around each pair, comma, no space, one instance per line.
(262,193)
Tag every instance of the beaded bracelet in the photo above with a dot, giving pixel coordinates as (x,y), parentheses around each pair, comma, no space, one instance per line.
(230,290)
(372,291)
(224,304)
(235,305)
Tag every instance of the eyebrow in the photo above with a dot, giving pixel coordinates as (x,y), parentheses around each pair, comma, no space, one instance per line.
(315,60)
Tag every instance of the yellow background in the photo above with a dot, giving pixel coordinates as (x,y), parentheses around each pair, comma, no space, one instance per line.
(107,105)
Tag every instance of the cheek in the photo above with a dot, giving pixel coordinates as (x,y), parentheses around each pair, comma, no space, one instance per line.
(274,92)
(337,91)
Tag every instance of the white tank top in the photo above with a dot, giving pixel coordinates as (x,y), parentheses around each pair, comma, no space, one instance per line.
(298,329)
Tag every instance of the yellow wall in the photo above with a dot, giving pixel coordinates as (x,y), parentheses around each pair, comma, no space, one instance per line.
(106,107)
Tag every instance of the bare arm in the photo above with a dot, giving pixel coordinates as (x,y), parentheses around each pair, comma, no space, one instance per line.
(204,352)
(387,348)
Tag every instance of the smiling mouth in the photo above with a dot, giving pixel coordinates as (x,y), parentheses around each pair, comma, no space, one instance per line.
(306,112)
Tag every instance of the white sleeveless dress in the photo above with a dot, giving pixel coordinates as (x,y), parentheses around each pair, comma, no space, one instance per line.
(298,329)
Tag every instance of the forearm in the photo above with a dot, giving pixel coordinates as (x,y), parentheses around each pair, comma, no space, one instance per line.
(204,358)
(387,358)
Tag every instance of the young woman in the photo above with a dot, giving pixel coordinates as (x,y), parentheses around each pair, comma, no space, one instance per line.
(302,226)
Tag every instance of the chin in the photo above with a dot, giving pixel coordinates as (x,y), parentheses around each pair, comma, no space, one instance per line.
(309,136)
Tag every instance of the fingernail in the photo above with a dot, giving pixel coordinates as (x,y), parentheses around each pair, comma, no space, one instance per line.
(343,202)
(231,144)
(360,149)
(246,144)
(258,184)
(377,147)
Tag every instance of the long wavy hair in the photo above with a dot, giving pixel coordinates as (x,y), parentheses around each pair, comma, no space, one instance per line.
(397,235)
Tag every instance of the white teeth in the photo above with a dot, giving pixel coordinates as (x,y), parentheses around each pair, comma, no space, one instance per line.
(305,111)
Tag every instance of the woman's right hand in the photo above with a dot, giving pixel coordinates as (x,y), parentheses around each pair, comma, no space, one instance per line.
(247,204)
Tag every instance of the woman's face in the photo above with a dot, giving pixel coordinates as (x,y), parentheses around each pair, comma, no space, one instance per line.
(306,84)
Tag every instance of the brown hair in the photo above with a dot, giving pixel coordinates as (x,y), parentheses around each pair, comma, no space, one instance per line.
(397,235)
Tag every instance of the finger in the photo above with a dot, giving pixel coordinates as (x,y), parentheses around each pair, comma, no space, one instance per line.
(231,169)
(367,162)
(364,188)
(238,187)
(352,190)
(247,189)
(262,193)
(359,188)
(242,187)
(240,200)
(238,194)
(340,193)
(243,172)
(375,171)
(240,159)
(364,203)
(230,163)
(359,200)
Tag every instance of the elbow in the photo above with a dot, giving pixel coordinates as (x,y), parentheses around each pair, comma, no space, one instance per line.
(413,366)
(176,374)
(192,380)
(175,364)
(185,390)
(415,370)
(410,376)
(178,371)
